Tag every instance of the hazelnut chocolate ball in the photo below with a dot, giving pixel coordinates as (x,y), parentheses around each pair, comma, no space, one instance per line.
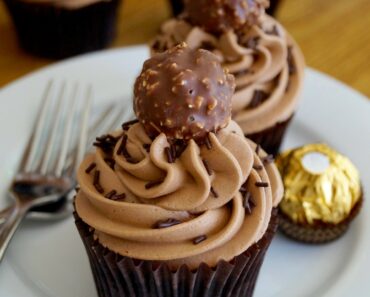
(218,16)
(184,93)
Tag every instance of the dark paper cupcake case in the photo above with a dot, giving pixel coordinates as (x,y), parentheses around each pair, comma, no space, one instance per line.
(54,32)
(270,139)
(320,232)
(118,276)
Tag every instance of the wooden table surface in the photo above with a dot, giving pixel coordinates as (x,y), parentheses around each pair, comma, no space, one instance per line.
(334,36)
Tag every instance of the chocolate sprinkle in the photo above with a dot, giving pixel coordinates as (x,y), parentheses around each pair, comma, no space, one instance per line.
(90,168)
(106,143)
(122,146)
(248,202)
(166,223)
(172,149)
(257,167)
(214,193)
(169,155)
(127,125)
(153,183)
(99,188)
(110,194)
(122,150)
(146,146)
(119,196)
(111,162)
(258,98)
(207,142)
(199,239)
(291,65)
(96,182)
(206,165)
(262,184)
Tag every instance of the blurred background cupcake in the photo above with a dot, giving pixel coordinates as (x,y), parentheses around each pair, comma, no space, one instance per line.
(178,6)
(267,63)
(63,28)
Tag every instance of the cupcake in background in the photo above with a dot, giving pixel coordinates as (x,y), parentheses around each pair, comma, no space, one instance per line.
(178,202)
(323,193)
(63,28)
(178,6)
(267,64)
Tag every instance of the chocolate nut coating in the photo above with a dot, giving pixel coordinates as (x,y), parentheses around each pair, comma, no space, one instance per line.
(218,16)
(184,93)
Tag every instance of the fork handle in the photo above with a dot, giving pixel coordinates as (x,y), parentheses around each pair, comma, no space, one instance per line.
(5,213)
(10,227)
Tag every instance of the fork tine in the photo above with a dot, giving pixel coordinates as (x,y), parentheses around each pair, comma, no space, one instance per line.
(83,134)
(124,114)
(29,154)
(66,139)
(51,142)
(100,123)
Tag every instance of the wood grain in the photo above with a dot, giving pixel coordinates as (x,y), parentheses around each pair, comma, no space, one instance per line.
(334,36)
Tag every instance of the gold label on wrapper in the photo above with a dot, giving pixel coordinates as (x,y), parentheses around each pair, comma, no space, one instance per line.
(320,184)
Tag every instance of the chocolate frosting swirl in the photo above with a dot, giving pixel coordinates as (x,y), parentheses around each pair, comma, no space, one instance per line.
(201,196)
(267,64)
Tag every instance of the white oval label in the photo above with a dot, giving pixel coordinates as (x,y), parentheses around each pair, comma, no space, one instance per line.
(315,162)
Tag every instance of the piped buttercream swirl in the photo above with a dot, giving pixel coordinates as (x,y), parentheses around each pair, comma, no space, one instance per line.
(203,190)
(268,66)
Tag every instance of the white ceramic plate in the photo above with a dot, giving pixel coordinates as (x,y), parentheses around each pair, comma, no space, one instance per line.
(49,259)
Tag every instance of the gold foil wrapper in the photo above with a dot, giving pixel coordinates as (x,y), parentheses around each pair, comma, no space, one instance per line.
(320,184)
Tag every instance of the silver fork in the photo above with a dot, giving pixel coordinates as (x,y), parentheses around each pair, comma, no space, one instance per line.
(108,119)
(44,175)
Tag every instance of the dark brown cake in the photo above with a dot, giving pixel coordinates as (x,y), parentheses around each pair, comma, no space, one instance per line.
(47,30)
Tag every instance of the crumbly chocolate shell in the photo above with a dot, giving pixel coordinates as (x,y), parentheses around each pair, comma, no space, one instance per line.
(217,16)
(184,93)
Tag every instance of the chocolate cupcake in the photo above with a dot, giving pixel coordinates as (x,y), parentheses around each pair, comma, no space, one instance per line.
(178,202)
(267,63)
(63,28)
(323,193)
(178,6)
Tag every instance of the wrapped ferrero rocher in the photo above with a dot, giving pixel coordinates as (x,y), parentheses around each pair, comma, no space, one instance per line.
(323,193)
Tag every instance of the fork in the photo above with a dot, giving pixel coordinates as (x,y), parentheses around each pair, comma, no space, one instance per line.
(108,119)
(44,175)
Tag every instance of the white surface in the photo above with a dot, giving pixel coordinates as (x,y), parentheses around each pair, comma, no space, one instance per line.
(49,259)
(315,162)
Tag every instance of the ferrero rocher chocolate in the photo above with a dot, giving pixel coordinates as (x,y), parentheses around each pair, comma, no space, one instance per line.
(184,93)
(321,185)
(218,16)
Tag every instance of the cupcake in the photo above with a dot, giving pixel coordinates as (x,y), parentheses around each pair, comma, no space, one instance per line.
(63,28)
(178,6)
(267,63)
(178,202)
(323,193)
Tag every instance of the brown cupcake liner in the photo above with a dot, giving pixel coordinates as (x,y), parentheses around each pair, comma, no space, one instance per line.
(319,232)
(118,276)
(271,138)
(55,32)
